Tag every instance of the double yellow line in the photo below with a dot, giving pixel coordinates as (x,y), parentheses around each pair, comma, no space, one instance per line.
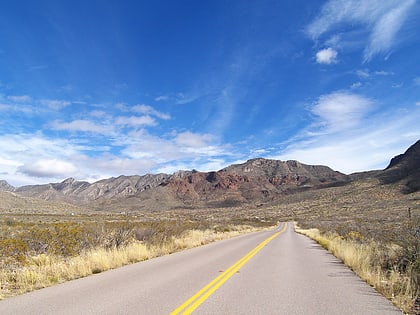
(197,299)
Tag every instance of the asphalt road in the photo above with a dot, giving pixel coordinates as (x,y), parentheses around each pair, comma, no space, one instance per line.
(272,272)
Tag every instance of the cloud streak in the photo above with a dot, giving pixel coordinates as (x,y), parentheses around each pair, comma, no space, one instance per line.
(348,137)
(379,19)
(341,110)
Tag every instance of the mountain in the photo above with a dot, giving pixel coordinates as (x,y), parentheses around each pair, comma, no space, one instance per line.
(79,192)
(404,168)
(255,182)
(5,186)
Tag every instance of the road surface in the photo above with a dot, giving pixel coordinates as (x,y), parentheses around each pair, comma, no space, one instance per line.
(270,272)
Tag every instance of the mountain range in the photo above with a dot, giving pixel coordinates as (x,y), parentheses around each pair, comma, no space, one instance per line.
(255,182)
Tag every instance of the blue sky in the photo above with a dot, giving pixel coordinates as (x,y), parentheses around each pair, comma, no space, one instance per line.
(94,89)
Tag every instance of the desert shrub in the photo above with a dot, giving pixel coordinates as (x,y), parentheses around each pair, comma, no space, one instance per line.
(13,252)
(64,239)
(144,234)
(121,234)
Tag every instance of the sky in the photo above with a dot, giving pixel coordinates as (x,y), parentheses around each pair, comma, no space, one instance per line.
(97,89)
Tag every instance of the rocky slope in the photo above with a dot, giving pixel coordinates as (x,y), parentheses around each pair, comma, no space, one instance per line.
(255,181)
(404,168)
(80,192)
(5,186)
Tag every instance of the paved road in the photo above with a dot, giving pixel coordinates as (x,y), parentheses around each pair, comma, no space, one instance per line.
(288,274)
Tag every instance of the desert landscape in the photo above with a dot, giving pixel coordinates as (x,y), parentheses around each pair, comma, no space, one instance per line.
(370,220)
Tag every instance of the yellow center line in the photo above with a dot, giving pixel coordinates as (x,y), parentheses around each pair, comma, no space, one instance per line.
(197,299)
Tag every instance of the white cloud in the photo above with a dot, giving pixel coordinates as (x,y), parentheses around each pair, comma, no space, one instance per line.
(398,85)
(20,98)
(187,145)
(384,73)
(24,157)
(193,140)
(341,110)
(368,147)
(206,165)
(380,19)
(135,121)
(161,98)
(363,73)
(326,56)
(366,73)
(182,99)
(55,104)
(386,27)
(49,168)
(349,138)
(108,165)
(149,110)
(82,125)
(178,98)
(356,85)
(100,114)
(416,81)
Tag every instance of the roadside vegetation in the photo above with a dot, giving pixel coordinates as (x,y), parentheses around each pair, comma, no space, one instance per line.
(392,269)
(40,251)
(373,228)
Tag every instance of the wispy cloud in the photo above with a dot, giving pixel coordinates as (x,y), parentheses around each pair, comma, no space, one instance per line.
(20,98)
(349,137)
(356,85)
(161,98)
(340,110)
(55,104)
(193,140)
(82,125)
(379,19)
(366,73)
(135,121)
(27,157)
(177,98)
(149,110)
(367,148)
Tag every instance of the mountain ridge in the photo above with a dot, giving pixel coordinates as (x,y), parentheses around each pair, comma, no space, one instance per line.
(255,181)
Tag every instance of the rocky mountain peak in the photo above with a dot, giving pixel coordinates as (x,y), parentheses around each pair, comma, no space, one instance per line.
(5,186)
(404,168)
(409,157)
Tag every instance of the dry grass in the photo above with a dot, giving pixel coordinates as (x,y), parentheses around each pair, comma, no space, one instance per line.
(367,260)
(44,270)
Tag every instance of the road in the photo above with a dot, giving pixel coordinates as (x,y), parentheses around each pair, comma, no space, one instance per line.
(270,272)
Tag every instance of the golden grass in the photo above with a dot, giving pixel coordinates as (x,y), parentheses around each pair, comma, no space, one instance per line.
(365,259)
(46,270)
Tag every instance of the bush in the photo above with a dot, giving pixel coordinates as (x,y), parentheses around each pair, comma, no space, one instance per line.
(13,252)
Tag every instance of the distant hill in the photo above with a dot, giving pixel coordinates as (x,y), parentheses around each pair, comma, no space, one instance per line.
(257,181)
(404,168)
(80,192)
(11,202)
